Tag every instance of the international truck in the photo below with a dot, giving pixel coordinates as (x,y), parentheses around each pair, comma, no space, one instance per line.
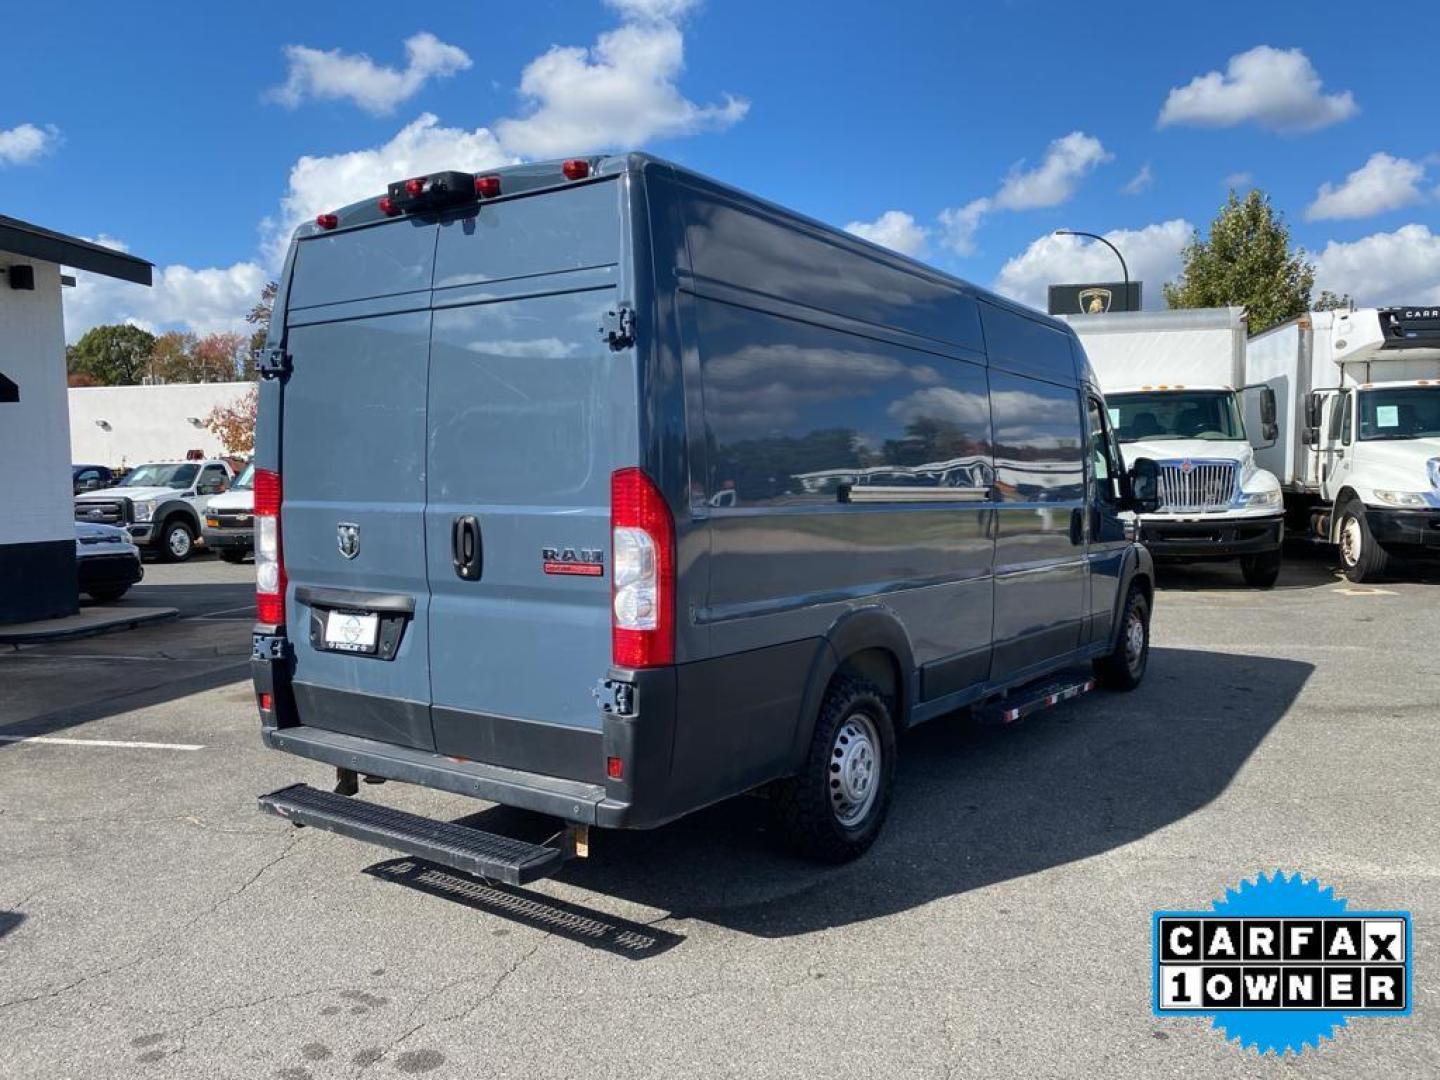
(604,490)
(1358,453)
(1175,387)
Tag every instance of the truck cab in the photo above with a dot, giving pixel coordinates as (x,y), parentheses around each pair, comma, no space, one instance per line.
(159,504)
(1360,443)
(1174,388)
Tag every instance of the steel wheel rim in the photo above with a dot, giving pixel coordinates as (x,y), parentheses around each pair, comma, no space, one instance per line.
(1134,640)
(179,541)
(855,767)
(1350,541)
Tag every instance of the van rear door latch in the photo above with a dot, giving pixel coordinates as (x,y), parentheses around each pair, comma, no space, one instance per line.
(618,328)
(272,363)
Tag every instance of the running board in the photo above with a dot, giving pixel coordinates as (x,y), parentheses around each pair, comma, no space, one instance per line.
(472,851)
(1024,700)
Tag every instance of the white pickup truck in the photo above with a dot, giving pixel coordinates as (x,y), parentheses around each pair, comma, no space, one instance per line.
(1175,390)
(1359,448)
(159,504)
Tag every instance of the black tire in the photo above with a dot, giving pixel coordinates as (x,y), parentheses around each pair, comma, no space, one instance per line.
(1124,666)
(233,555)
(1361,556)
(812,811)
(1261,571)
(173,548)
(107,596)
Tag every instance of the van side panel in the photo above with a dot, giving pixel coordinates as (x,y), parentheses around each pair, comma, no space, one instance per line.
(1040,559)
(829,371)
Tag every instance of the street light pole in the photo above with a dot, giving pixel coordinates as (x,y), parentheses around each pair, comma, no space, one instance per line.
(1124,270)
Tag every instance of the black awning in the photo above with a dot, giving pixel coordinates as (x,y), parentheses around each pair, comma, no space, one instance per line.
(21,238)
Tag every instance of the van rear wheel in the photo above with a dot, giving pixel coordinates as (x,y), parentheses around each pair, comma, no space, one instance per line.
(177,540)
(834,809)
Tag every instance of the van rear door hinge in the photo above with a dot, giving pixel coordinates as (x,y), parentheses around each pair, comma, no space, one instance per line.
(268,647)
(618,328)
(614,697)
(273,363)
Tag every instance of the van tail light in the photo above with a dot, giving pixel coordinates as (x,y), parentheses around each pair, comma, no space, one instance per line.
(642,542)
(269,556)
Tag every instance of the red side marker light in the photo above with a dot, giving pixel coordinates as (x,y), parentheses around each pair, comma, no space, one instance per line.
(615,768)
(487,187)
(576,169)
(415,188)
(327,221)
(267,702)
(388,207)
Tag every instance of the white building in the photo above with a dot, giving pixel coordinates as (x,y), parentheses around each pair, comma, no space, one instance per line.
(123,426)
(37,531)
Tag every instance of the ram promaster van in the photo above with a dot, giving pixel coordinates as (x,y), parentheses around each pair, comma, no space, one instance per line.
(603,490)
(1359,447)
(1174,383)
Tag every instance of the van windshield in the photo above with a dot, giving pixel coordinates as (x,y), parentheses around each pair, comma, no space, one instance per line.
(1168,414)
(178,477)
(1403,412)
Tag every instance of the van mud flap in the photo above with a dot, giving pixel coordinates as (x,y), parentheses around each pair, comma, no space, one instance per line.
(471,851)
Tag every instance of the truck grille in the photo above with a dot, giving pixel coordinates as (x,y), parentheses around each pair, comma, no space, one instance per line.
(103,511)
(1190,487)
(232,520)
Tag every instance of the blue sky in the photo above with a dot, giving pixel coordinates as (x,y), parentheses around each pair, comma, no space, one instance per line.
(197,135)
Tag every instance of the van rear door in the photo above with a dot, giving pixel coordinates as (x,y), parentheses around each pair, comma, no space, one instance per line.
(353,469)
(530,411)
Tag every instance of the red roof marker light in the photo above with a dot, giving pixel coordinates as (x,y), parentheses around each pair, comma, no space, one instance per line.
(327,221)
(576,169)
(415,188)
(388,207)
(487,187)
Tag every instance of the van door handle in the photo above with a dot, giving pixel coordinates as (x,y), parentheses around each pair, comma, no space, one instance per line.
(1077,526)
(467,553)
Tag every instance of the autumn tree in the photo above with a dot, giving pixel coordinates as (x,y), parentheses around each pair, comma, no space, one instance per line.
(1246,260)
(234,425)
(111,355)
(172,357)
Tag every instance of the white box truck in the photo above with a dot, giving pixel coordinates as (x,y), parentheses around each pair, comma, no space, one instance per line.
(1359,415)
(1175,388)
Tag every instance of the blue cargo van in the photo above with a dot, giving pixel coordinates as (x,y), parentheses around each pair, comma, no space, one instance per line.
(604,490)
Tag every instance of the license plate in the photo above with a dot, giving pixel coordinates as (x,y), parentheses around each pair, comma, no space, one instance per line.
(351,631)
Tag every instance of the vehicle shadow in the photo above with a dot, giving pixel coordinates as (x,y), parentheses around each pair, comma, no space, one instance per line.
(9,920)
(972,806)
(1305,566)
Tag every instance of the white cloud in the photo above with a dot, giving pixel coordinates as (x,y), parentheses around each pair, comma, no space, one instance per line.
(893,229)
(1152,254)
(331,75)
(25,144)
(653,10)
(1278,89)
(1054,180)
(619,92)
(1067,161)
(203,301)
(1140,181)
(318,184)
(1239,180)
(1382,183)
(1400,267)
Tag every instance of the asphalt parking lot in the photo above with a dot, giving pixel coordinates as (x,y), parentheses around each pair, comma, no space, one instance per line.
(152,923)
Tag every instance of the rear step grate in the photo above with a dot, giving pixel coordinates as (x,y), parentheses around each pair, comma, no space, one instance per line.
(1027,700)
(496,858)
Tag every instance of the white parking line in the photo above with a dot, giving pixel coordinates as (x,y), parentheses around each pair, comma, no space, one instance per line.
(248,609)
(237,658)
(99,742)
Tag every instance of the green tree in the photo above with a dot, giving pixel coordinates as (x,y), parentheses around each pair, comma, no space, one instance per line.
(111,355)
(1330,302)
(259,317)
(1246,259)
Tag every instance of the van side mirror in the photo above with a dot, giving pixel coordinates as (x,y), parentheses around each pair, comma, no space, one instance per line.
(1310,436)
(1312,410)
(1143,480)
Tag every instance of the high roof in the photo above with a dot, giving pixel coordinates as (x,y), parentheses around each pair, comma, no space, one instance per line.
(32,241)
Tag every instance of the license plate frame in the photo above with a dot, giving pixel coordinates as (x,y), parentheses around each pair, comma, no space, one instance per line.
(350,630)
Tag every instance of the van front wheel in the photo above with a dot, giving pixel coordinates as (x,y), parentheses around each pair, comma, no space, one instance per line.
(1124,666)
(834,809)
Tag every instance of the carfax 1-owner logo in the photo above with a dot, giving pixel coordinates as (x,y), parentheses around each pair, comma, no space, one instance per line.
(1280,962)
